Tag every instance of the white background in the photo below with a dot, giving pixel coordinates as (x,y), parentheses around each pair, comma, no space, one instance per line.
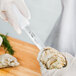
(44,15)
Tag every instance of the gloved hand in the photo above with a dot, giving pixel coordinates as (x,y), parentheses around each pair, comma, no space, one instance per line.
(7,12)
(69,70)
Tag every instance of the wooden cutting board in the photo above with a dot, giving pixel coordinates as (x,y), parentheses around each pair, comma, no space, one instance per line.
(27,56)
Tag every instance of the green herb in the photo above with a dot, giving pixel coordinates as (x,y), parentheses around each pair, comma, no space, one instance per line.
(7,45)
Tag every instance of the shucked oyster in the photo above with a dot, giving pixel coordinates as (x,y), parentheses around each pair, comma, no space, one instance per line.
(52,59)
(7,60)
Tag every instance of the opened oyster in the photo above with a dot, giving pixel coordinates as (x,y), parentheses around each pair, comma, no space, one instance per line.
(52,59)
(7,60)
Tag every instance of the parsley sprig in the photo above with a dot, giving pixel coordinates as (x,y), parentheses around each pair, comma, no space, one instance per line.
(7,45)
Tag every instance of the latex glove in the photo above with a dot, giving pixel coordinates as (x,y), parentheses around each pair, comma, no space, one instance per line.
(8,14)
(69,70)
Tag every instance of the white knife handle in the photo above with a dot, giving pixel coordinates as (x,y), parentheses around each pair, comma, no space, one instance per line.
(22,21)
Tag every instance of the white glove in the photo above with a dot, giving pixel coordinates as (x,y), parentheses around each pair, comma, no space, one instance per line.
(7,13)
(70,70)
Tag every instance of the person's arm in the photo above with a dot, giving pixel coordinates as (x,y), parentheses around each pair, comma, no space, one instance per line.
(7,12)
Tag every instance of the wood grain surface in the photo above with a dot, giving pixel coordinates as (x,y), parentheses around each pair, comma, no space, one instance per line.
(27,56)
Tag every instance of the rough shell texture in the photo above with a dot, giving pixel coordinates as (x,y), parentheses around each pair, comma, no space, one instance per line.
(7,60)
(50,58)
(1,40)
